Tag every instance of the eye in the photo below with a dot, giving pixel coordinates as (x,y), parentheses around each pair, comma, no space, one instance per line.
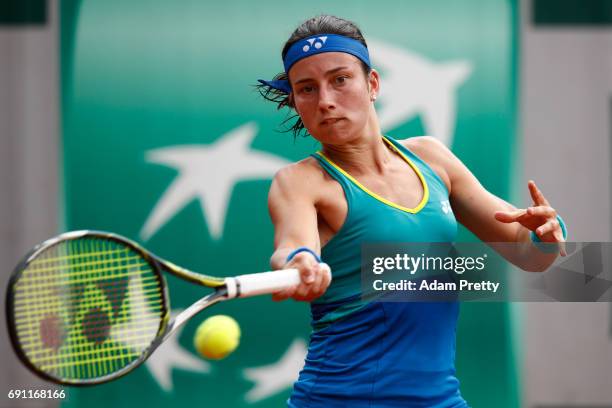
(341,79)
(306,89)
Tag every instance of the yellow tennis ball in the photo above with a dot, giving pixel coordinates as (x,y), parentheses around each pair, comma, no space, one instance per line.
(217,336)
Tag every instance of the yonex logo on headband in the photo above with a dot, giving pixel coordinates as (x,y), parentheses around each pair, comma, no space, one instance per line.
(314,45)
(318,43)
(324,43)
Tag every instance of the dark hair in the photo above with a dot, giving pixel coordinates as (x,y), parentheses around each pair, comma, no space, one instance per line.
(323,24)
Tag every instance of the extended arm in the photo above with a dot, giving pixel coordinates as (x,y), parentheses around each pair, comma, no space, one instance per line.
(494,220)
(293,213)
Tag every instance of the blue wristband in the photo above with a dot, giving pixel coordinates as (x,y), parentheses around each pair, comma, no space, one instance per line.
(547,247)
(303,249)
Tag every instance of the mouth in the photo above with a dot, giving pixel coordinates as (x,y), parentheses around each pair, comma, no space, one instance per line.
(331,121)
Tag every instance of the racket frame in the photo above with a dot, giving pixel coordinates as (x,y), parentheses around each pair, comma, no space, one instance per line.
(166,327)
(224,289)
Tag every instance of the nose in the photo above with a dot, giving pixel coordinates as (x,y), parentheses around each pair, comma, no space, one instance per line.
(326,99)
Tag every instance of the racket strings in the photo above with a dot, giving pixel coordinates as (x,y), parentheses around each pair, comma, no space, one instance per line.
(86,308)
(23,307)
(85,275)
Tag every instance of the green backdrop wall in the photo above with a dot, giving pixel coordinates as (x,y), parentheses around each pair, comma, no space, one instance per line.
(166,142)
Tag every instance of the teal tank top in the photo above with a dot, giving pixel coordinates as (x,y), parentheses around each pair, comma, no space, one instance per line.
(381,354)
(370,219)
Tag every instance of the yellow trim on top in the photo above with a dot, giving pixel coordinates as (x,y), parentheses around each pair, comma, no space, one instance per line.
(382,199)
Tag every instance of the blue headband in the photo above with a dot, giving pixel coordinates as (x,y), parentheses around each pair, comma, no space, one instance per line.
(318,44)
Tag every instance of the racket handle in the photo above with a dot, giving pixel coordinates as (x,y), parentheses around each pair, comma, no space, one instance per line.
(264,282)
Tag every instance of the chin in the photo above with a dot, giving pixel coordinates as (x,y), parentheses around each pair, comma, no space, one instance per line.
(335,136)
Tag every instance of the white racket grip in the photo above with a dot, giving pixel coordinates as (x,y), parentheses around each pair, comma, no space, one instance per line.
(264,282)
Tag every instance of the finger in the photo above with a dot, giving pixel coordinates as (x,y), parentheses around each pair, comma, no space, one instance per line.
(542,211)
(562,249)
(304,296)
(325,279)
(319,285)
(302,291)
(316,286)
(558,234)
(326,275)
(549,226)
(509,216)
(307,273)
(284,294)
(309,292)
(279,296)
(325,269)
(536,194)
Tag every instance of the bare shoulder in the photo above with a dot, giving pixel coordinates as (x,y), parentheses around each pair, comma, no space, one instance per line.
(300,179)
(434,153)
(427,148)
(304,172)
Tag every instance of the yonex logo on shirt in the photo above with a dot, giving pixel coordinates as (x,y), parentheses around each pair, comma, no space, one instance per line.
(446,207)
(315,42)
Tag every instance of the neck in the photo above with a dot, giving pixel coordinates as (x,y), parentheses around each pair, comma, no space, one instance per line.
(366,153)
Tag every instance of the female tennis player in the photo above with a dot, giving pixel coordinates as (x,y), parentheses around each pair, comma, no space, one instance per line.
(366,187)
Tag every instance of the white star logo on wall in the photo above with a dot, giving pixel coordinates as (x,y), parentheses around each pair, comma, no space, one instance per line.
(276,377)
(411,84)
(170,355)
(208,173)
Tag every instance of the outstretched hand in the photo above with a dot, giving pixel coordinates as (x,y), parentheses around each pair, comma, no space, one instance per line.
(540,218)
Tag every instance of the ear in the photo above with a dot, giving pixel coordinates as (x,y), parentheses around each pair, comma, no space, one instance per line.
(289,101)
(374,83)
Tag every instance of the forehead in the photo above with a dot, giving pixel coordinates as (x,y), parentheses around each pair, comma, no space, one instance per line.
(319,64)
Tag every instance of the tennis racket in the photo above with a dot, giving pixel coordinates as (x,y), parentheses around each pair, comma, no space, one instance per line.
(87,307)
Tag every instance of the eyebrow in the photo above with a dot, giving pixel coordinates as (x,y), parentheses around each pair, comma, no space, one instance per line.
(331,71)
